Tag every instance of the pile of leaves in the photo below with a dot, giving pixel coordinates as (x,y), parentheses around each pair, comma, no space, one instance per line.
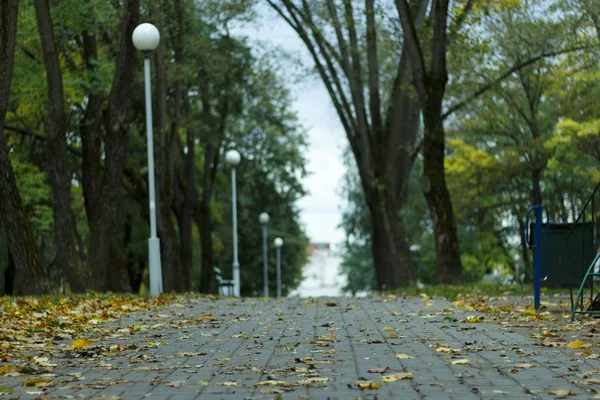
(27,324)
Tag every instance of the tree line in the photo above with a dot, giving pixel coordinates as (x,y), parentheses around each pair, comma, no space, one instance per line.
(73,187)
(507,93)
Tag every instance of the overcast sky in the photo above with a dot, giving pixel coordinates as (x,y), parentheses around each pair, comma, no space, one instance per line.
(320,210)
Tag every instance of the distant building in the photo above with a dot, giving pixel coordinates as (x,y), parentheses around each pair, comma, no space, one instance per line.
(322,273)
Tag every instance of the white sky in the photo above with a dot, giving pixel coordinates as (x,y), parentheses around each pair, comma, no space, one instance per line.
(320,209)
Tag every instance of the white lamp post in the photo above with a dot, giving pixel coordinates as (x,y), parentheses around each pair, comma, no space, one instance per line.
(278,242)
(146,38)
(263,218)
(232,158)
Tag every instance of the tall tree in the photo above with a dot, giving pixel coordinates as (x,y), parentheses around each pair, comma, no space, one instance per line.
(24,251)
(69,248)
(104,132)
(381,127)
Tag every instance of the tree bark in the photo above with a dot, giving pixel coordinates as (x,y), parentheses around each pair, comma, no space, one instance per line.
(392,258)
(22,244)
(433,184)
(102,183)
(167,232)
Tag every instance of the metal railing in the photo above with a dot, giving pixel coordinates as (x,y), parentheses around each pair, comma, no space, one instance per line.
(588,212)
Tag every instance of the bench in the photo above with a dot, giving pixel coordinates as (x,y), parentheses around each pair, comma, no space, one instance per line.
(224,286)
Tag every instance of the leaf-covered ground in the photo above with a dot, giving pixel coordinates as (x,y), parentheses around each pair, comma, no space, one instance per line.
(380,347)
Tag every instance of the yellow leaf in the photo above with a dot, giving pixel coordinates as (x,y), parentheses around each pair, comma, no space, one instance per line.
(577,344)
(393,336)
(367,384)
(389,329)
(403,356)
(475,319)
(81,343)
(38,382)
(529,312)
(397,377)
(461,361)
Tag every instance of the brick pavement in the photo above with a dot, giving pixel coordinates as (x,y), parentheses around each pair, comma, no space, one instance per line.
(307,349)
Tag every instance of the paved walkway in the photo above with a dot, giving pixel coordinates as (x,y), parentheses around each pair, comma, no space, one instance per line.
(308,349)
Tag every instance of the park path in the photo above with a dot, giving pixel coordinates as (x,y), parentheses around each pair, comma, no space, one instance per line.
(323,348)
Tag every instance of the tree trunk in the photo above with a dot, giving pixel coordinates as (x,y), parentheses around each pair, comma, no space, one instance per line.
(59,173)
(169,246)
(207,279)
(391,253)
(119,278)
(433,184)
(23,248)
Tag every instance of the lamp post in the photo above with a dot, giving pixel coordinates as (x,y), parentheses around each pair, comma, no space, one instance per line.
(232,158)
(263,218)
(278,242)
(146,38)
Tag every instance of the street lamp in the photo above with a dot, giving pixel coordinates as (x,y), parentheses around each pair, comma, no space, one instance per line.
(146,38)
(263,218)
(278,242)
(232,158)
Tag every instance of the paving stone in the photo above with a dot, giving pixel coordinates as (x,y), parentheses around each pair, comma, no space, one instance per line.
(228,348)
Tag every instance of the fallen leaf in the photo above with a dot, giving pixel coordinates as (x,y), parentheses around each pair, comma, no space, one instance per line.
(331,304)
(563,392)
(229,383)
(577,344)
(473,319)
(401,356)
(39,382)
(378,370)
(272,391)
(393,336)
(367,385)
(397,377)
(524,365)
(176,384)
(461,361)
(389,329)
(81,343)
(10,370)
(589,381)
(203,383)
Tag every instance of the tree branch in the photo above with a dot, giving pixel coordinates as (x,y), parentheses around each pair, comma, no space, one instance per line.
(546,54)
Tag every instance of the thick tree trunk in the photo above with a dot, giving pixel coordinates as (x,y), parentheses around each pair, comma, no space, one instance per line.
(59,174)
(102,188)
(391,254)
(433,184)
(23,249)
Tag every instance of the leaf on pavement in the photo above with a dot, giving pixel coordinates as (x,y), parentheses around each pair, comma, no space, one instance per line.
(397,377)
(378,370)
(577,344)
(461,361)
(524,365)
(367,385)
(38,382)
(80,344)
(401,356)
(562,392)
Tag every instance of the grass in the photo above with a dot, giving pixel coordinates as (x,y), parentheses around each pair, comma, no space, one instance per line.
(451,292)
